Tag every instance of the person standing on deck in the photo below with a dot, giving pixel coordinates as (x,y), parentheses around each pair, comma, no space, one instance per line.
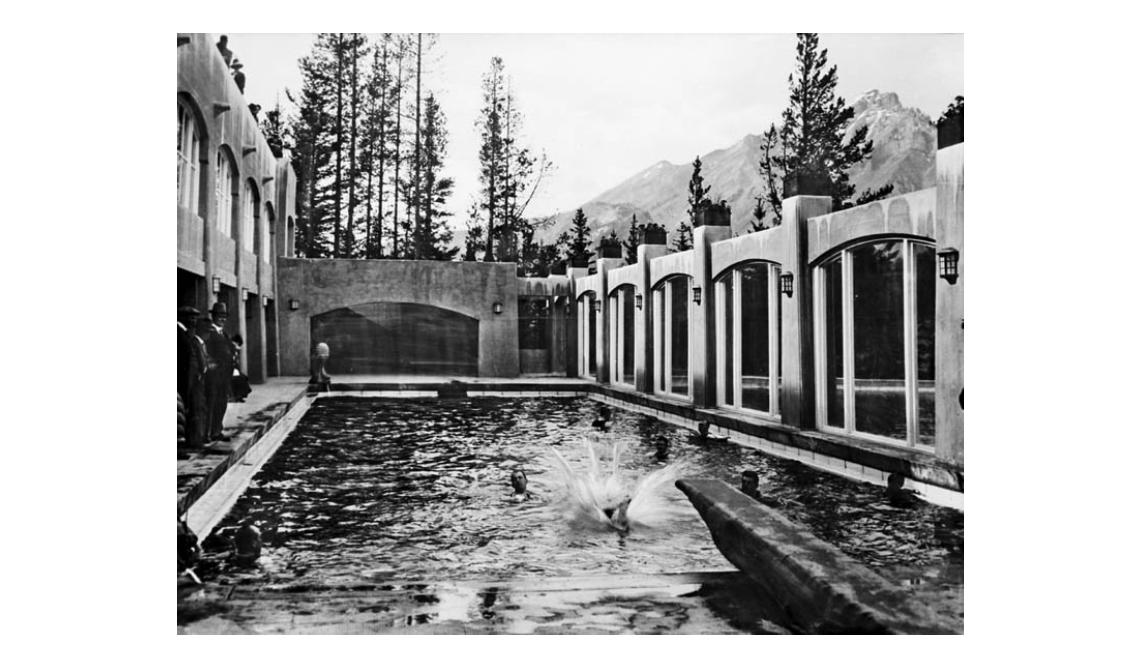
(192,363)
(220,371)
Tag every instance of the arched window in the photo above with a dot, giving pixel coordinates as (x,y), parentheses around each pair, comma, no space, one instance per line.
(189,141)
(267,234)
(587,336)
(671,312)
(875,341)
(621,335)
(224,186)
(748,338)
(249,216)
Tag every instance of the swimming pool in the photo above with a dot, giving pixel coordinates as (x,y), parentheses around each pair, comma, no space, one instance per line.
(374,491)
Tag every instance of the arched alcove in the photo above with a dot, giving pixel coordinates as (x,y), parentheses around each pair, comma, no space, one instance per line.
(398,338)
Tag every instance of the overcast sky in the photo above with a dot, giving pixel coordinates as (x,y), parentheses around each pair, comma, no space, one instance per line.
(604,107)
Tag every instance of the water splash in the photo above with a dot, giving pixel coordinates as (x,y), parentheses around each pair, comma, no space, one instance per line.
(601,497)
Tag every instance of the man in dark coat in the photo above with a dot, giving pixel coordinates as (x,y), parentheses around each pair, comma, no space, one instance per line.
(192,364)
(220,350)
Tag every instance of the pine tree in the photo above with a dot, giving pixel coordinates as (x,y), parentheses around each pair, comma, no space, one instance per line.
(698,199)
(758,213)
(814,124)
(491,150)
(355,49)
(273,127)
(580,246)
(432,234)
(313,134)
(633,240)
(510,175)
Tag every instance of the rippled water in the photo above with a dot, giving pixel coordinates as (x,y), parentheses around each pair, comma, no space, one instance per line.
(376,489)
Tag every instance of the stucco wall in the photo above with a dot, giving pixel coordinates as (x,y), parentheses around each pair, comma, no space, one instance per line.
(626,275)
(468,288)
(949,304)
(678,263)
(766,245)
(911,214)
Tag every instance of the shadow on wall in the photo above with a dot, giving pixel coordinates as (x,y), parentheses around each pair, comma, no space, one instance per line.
(398,338)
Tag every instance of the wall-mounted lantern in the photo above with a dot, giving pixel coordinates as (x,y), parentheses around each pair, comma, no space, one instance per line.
(597,305)
(948,265)
(637,301)
(497,308)
(245,294)
(264,301)
(697,295)
(786,279)
(294,304)
(217,284)
(566,306)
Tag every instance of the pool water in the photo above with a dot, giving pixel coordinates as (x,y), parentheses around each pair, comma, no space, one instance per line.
(380,490)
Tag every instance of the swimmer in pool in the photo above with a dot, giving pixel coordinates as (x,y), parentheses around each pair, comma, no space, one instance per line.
(605,415)
(518,482)
(703,431)
(662,447)
(617,516)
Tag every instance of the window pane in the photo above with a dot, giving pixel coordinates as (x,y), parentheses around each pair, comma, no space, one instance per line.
(755,368)
(679,334)
(727,367)
(880,388)
(628,325)
(926,276)
(833,341)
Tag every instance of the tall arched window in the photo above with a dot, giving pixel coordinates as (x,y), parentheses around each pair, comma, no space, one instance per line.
(188,157)
(587,336)
(875,341)
(671,326)
(267,233)
(224,186)
(248,216)
(748,339)
(622,324)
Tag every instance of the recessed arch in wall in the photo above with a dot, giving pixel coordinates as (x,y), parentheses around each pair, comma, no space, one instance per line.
(398,338)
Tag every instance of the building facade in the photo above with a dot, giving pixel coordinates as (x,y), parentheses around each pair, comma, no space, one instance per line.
(236,211)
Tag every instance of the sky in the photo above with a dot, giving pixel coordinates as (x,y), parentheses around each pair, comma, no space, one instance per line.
(603,107)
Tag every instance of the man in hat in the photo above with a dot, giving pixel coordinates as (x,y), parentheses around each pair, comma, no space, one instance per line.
(220,350)
(192,363)
(239,76)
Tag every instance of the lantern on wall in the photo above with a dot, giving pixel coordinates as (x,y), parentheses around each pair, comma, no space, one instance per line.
(497,308)
(697,295)
(217,284)
(245,294)
(786,279)
(637,301)
(948,264)
(597,305)
(294,304)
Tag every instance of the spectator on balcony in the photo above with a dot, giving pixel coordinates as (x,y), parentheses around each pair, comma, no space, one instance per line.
(239,76)
(227,55)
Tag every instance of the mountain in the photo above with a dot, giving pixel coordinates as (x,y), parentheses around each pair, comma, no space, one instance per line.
(904,149)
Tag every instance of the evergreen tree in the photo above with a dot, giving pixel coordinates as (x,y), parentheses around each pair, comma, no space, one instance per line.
(313,134)
(814,124)
(432,234)
(698,199)
(580,246)
(355,49)
(633,240)
(273,127)
(510,175)
(758,213)
(491,150)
